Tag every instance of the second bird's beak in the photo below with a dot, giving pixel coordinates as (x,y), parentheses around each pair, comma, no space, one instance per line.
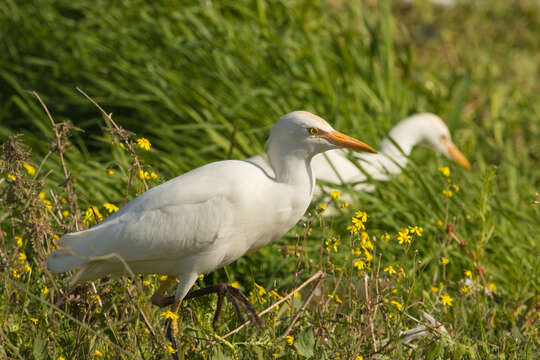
(342,140)
(458,157)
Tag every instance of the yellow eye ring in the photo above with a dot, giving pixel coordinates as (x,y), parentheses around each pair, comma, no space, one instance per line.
(313,131)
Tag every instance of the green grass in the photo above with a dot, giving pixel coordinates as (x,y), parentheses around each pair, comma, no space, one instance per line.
(185,75)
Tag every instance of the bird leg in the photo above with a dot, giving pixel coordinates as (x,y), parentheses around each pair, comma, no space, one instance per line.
(234,296)
(158,297)
(222,290)
(172,328)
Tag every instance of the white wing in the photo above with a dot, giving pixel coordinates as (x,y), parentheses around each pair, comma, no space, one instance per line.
(176,219)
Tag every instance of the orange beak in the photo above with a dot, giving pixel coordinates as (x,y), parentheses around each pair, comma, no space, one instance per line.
(458,157)
(340,139)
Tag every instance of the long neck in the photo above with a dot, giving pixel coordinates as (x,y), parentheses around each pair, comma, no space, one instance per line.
(391,158)
(292,167)
(406,135)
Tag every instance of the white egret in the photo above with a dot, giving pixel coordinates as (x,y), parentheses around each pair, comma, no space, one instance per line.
(207,218)
(336,168)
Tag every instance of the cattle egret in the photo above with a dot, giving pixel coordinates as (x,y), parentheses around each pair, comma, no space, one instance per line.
(335,167)
(207,218)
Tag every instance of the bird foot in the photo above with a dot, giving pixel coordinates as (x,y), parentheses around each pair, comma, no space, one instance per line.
(162,301)
(232,294)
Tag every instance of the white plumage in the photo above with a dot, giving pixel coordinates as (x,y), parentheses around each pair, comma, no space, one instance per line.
(208,217)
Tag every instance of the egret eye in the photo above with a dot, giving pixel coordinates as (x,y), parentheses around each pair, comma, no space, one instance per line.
(313,131)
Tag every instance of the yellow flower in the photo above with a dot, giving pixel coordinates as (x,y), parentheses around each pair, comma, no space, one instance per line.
(146,283)
(468,273)
(361,215)
(201,277)
(345,204)
(492,286)
(19,241)
(34,320)
(109,172)
(22,256)
(275,294)
(397,305)
(15,274)
(440,223)
(445,171)
(163,277)
(61,358)
(153,175)
(456,188)
(29,169)
(275,355)
(144,143)
(321,208)
(290,339)
(332,243)
(235,284)
(359,357)
(45,291)
(385,237)
(143,175)
(111,208)
(170,349)
(48,204)
(65,213)
(297,294)
(260,289)
(447,193)
(465,290)
(444,260)
(11,178)
(368,256)
(335,298)
(98,353)
(168,315)
(434,288)
(335,195)
(359,264)
(390,270)
(416,230)
(403,236)
(358,222)
(402,271)
(446,300)
(92,216)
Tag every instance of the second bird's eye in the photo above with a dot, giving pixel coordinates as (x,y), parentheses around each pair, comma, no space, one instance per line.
(313,131)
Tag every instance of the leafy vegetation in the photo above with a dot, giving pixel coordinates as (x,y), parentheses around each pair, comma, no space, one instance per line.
(198,82)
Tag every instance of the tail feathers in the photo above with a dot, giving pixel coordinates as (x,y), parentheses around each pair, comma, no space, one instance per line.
(63,260)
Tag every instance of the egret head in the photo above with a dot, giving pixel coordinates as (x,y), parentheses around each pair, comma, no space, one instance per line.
(432,131)
(304,130)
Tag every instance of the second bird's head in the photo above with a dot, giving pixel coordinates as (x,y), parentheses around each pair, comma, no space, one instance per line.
(302,130)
